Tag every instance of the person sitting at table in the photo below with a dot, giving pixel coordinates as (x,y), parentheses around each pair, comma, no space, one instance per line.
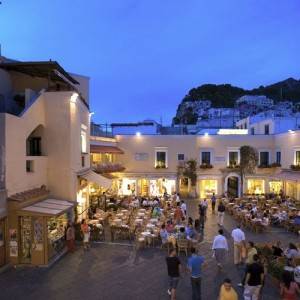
(155,201)
(297,219)
(190,221)
(277,250)
(265,220)
(170,226)
(292,252)
(145,203)
(181,235)
(190,231)
(156,212)
(166,237)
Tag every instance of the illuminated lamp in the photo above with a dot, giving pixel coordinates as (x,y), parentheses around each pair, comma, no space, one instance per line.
(74,97)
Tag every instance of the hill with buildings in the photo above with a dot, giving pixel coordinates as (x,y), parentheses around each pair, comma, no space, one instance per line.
(199,101)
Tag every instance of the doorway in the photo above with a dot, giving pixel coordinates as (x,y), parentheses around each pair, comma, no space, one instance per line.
(233,186)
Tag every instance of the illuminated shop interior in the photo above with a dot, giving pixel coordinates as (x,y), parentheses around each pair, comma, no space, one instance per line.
(208,187)
(256,186)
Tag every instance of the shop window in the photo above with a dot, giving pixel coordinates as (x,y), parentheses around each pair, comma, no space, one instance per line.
(256,186)
(278,157)
(264,159)
(205,158)
(233,158)
(275,186)
(160,159)
(208,187)
(180,157)
(267,129)
(29,166)
(297,158)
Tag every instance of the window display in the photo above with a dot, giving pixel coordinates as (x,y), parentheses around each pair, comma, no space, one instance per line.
(26,234)
(56,234)
(207,188)
(256,186)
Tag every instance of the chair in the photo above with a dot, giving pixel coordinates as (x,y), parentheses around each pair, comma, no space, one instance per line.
(182,245)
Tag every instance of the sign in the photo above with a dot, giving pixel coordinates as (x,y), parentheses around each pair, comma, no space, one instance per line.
(219,159)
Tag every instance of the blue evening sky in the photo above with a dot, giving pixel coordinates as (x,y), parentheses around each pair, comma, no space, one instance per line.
(144,55)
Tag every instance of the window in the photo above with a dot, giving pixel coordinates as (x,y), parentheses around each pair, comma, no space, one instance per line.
(205,158)
(278,157)
(82,161)
(161,159)
(297,158)
(267,129)
(34,146)
(83,142)
(180,156)
(252,131)
(264,158)
(29,166)
(233,158)
(83,139)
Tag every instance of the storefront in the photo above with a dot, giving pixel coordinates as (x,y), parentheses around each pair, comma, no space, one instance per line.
(90,189)
(127,187)
(208,187)
(36,230)
(255,186)
(291,189)
(275,186)
(162,185)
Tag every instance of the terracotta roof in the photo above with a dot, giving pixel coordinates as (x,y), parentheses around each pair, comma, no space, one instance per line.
(105,149)
(30,194)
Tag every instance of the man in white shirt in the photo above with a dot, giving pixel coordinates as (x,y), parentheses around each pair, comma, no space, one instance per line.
(239,242)
(220,247)
(183,208)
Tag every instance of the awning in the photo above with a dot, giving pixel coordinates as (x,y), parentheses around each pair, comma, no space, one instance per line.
(105,149)
(49,207)
(286,175)
(98,179)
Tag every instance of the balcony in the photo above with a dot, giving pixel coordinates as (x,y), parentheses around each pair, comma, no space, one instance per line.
(206,166)
(108,168)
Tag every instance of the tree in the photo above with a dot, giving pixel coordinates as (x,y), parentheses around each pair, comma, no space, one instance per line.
(248,162)
(189,170)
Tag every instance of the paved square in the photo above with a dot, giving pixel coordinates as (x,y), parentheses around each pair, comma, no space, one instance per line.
(119,272)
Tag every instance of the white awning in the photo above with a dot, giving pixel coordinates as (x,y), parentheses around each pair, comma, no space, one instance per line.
(98,179)
(50,207)
(286,175)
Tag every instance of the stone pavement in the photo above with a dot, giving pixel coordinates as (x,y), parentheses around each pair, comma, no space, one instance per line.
(118,272)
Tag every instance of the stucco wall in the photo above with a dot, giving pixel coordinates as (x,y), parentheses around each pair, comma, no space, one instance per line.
(189,145)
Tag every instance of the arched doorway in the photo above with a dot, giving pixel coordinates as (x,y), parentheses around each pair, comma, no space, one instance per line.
(232,185)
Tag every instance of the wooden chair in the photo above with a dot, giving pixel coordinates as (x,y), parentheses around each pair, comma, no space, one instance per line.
(183,245)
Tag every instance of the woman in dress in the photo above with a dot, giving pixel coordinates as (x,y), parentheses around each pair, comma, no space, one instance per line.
(85,229)
(288,287)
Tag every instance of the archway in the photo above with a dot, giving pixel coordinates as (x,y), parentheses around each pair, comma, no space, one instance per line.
(233,185)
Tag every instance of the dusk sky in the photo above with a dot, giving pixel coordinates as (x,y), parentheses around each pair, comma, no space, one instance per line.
(143,56)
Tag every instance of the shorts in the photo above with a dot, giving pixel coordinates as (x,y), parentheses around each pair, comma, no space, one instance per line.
(173,282)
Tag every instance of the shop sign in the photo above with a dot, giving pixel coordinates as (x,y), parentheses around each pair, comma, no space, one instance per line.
(219,159)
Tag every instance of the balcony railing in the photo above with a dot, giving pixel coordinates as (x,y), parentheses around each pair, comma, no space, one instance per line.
(108,168)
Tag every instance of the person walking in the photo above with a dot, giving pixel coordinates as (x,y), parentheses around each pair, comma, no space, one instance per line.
(183,208)
(254,279)
(195,263)
(70,237)
(221,212)
(220,247)
(227,292)
(85,229)
(213,203)
(239,242)
(202,215)
(173,266)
